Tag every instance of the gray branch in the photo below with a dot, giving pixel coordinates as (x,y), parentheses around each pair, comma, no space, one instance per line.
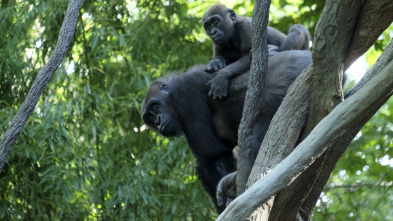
(355,186)
(384,59)
(339,144)
(44,76)
(331,127)
(255,84)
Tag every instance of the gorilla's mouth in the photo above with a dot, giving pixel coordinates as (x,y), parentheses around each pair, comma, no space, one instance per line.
(218,37)
(164,125)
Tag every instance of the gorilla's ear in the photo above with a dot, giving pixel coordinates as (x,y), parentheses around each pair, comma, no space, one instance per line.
(232,15)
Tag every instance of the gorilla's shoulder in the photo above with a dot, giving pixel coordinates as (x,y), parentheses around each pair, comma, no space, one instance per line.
(197,68)
(194,76)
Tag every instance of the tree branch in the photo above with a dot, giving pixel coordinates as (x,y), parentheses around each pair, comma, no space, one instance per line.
(280,140)
(284,131)
(382,61)
(332,126)
(340,144)
(374,18)
(355,186)
(43,78)
(334,33)
(255,84)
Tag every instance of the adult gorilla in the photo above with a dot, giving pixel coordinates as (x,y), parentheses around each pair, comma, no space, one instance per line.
(179,104)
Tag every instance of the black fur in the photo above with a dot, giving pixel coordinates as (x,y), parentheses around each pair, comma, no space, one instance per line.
(231,37)
(179,103)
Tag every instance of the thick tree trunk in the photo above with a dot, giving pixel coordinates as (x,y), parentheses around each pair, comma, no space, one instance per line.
(331,127)
(332,38)
(374,18)
(43,78)
(337,43)
(339,145)
(319,107)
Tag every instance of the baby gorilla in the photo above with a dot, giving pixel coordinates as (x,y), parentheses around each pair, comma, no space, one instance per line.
(231,37)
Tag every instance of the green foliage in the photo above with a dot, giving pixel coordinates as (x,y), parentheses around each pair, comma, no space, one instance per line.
(85,153)
(361,185)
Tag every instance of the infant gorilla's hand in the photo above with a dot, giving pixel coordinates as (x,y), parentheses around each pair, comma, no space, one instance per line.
(272,49)
(216,64)
(219,86)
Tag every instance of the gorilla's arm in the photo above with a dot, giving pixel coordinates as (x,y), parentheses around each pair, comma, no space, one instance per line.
(231,37)
(220,83)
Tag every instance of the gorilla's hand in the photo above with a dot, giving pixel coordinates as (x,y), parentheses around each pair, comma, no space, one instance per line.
(219,86)
(226,189)
(216,64)
(272,49)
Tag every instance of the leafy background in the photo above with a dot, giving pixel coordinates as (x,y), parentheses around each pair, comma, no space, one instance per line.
(85,153)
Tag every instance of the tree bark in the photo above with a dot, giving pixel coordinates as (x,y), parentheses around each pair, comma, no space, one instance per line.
(339,145)
(332,126)
(255,85)
(333,34)
(44,76)
(284,133)
(282,136)
(313,177)
(280,140)
(332,38)
(374,18)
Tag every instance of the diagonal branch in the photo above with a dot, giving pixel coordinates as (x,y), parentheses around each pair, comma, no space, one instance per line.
(374,18)
(332,126)
(326,87)
(43,78)
(339,145)
(382,61)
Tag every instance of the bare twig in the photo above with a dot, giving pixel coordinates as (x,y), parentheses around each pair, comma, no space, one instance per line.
(44,76)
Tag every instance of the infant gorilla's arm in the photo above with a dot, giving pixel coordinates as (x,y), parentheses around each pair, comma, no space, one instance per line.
(216,64)
(231,37)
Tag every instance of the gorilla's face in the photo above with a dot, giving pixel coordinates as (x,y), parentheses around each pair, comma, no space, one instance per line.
(158,112)
(219,24)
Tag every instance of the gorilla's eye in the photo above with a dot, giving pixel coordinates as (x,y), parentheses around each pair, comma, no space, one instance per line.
(154,107)
(207,27)
(164,87)
(215,21)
